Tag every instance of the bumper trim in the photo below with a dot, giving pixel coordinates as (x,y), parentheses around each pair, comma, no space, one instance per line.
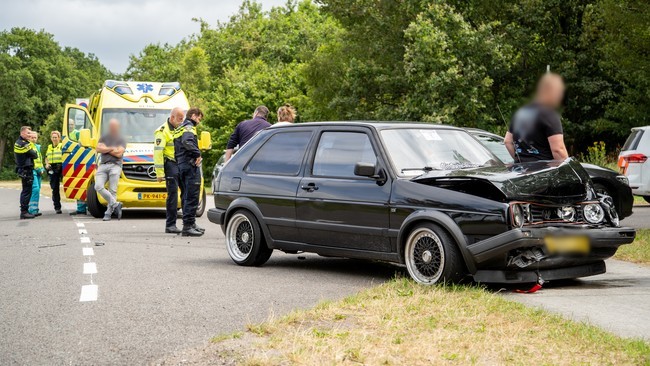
(610,237)
(498,276)
(216,216)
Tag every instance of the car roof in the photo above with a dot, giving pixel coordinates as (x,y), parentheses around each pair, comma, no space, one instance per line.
(378,125)
(641,128)
(476,131)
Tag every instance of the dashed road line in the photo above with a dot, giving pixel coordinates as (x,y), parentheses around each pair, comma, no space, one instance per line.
(88,292)
(85,240)
(90,268)
(88,251)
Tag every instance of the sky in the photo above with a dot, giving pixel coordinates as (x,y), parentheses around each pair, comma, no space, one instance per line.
(115,29)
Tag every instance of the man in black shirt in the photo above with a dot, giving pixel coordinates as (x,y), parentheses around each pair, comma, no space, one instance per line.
(24,153)
(535,131)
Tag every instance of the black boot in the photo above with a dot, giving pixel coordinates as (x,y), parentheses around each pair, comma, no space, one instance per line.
(26,215)
(198,228)
(172,230)
(190,231)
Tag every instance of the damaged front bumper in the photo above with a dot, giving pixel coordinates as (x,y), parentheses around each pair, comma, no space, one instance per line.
(520,255)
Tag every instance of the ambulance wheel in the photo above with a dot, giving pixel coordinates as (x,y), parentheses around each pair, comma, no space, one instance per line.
(94,206)
(202,203)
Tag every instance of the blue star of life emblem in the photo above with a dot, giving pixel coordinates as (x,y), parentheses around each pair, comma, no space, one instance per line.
(145,88)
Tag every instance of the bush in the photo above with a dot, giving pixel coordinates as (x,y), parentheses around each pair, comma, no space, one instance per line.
(596,154)
(8,173)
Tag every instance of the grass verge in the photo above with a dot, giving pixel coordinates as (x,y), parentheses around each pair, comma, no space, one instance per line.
(402,323)
(639,251)
(45,188)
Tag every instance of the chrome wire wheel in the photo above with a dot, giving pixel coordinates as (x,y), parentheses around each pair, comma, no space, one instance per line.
(239,237)
(425,256)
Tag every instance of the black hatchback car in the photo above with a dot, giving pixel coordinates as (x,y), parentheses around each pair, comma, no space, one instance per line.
(430,197)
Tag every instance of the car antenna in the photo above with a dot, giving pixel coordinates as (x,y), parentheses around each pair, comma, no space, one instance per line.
(506,124)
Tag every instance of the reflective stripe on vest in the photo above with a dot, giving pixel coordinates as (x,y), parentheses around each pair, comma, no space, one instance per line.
(54,154)
(38,162)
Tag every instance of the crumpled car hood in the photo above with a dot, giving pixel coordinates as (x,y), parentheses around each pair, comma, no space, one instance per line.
(542,181)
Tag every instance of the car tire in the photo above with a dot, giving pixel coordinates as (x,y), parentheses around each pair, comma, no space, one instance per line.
(432,256)
(245,241)
(96,209)
(202,203)
(646,198)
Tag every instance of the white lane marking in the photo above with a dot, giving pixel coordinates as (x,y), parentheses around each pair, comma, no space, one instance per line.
(88,251)
(80,224)
(90,268)
(85,240)
(88,293)
(83,231)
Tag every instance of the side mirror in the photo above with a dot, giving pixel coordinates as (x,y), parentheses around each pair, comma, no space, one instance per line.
(365,170)
(205,141)
(84,138)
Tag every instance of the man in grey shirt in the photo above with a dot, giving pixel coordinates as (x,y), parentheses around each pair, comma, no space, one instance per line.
(111,147)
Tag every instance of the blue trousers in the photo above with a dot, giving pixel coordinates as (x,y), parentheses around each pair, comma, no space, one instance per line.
(171,181)
(190,182)
(36,191)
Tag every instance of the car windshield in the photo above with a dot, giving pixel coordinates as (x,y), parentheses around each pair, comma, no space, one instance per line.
(137,125)
(496,146)
(417,150)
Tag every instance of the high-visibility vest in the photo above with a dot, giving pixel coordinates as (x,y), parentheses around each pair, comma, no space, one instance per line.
(38,162)
(54,154)
(163,148)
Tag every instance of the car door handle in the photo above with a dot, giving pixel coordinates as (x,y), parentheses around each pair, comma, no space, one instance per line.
(310,187)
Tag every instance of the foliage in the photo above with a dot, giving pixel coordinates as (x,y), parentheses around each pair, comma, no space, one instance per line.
(8,173)
(41,77)
(596,154)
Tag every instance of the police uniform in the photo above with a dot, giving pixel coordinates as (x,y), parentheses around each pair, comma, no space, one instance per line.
(25,155)
(36,183)
(165,164)
(186,150)
(54,155)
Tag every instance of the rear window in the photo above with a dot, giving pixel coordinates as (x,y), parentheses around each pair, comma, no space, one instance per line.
(632,142)
(282,154)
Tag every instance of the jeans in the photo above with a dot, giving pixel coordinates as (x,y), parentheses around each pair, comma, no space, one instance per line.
(110,173)
(55,182)
(171,181)
(36,191)
(190,178)
(27,178)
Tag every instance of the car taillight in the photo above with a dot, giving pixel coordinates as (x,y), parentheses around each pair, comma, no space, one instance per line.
(624,161)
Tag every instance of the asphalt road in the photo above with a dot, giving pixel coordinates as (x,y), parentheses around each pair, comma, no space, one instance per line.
(158,294)
(640,219)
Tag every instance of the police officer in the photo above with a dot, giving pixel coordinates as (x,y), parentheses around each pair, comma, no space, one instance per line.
(53,161)
(188,158)
(25,154)
(166,167)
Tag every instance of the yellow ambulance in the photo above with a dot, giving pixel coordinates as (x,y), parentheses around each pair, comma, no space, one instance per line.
(141,107)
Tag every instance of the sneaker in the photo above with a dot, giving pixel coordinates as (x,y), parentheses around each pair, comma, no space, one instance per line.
(38,214)
(190,232)
(118,210)
(198,228)
(107,217)
(58,212)
(172,230)
(26,215)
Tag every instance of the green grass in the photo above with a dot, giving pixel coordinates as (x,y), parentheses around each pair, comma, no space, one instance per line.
(639,251)
(402,323)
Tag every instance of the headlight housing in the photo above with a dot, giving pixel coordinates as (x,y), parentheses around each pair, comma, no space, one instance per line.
(566,213)
(623,179)
(593,213)
(517,215)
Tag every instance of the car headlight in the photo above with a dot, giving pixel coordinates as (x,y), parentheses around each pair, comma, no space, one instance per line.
(593,213)
(566,213)
(623,179)
(517,215)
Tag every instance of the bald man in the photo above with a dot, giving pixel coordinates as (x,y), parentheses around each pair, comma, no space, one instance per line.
(535,131)
(111,147)
(166,167)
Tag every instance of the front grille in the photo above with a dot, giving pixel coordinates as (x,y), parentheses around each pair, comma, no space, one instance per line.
(542,214)
(139,172)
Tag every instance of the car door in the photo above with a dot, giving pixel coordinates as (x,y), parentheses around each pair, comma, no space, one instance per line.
(272,177)
(78,161)
(336,208)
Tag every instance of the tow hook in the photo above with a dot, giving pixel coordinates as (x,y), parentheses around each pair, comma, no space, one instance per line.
(535,288)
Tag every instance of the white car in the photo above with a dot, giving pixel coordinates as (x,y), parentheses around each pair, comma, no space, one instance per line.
(633,161)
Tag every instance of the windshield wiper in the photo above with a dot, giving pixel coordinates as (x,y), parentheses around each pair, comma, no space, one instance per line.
(426,169)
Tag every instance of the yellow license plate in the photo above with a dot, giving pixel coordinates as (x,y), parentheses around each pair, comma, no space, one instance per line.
(567,244)
(152,196)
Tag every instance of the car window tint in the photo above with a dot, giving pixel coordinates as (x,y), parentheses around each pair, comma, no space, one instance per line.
(339,152)
(282,154)
(632,142)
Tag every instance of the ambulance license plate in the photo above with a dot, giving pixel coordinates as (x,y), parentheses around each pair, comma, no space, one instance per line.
(567,244)
(152,196)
